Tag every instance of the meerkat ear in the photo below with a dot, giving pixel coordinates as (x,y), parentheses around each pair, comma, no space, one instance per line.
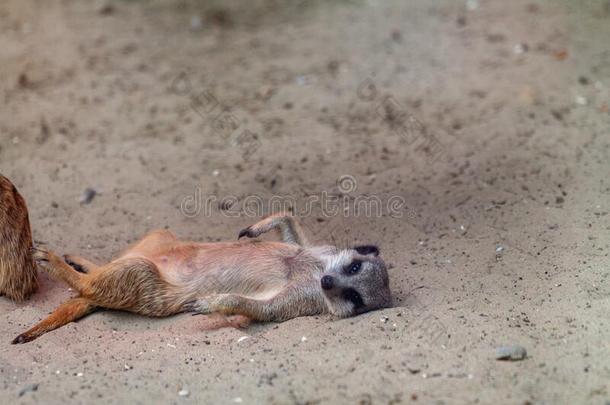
(366,250)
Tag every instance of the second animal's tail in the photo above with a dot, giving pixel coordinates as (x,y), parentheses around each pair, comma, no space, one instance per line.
(18,277)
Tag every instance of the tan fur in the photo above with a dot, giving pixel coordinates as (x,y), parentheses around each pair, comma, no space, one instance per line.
(161,275)
(17,270)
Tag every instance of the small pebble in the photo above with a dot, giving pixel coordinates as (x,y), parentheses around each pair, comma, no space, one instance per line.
(88,195)
(580,100)
(196,23)
(513,353)
(105,7)
(519,49)
(303,339)
(183,392)
(28,388)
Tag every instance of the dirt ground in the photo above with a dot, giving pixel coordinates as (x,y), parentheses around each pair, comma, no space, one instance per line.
(484,124)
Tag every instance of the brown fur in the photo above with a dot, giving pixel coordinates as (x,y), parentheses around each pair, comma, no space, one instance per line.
(17,270)
(161,275)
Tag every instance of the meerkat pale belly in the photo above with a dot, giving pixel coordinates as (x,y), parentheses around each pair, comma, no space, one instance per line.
(256,270)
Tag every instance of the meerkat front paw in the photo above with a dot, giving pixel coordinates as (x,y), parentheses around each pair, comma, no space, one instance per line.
(247,232)
(212,303)
(200,306)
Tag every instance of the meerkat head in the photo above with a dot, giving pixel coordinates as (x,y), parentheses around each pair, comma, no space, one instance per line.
(355,281)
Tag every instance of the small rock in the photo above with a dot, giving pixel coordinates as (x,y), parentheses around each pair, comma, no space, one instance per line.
(88,195)
(105,7)
(513,353)
(580,100)
(44,132)
(183,392)
(28,388)
(519,49)
(333,66)
(196,23)
(23,81)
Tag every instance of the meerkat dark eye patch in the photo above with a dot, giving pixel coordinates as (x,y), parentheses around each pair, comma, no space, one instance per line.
(367,250)
(353,268)
(351,295)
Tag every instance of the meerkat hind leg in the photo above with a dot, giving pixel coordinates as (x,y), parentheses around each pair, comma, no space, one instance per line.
(151,243)
(58,268)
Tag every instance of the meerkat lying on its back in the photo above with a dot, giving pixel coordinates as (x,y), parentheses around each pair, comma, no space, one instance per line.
(267,281)
(17,270)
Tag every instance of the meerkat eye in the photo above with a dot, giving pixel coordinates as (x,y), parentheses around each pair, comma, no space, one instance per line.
(354,267)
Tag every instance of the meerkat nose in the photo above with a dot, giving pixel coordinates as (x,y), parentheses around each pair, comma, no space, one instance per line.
(327,282)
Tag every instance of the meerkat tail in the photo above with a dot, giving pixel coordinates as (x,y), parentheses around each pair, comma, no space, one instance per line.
(18,277)
(67,312)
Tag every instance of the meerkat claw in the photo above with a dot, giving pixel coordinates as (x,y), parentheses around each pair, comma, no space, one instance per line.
(40,256)
(245,232)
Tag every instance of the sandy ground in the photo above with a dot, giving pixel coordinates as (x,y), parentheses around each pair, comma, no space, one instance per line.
(488,120)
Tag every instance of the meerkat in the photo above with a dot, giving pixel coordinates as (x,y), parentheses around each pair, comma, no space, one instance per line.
(262,280)
(18,277)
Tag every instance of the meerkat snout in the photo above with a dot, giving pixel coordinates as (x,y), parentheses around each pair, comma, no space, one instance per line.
(327,282)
